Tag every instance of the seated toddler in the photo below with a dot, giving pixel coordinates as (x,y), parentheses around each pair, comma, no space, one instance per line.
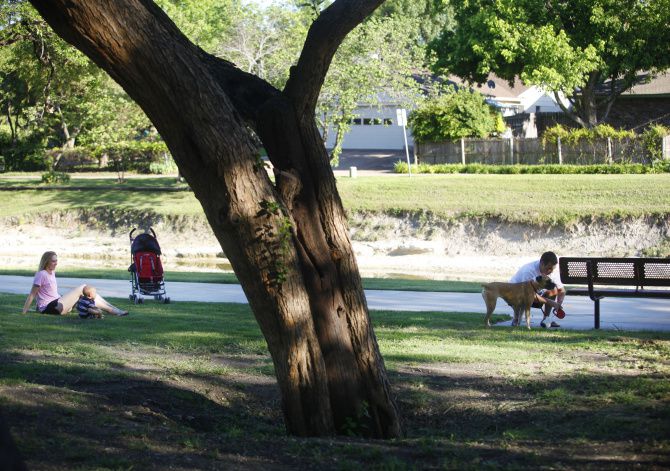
(86,304)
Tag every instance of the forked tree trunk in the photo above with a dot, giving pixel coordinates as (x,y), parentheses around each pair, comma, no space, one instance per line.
(287,242)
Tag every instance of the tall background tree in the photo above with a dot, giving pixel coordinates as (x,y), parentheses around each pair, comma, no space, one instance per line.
(588,51)
(286,239)
(51,95)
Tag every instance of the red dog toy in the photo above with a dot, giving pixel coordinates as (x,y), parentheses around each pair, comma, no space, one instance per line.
(560,313)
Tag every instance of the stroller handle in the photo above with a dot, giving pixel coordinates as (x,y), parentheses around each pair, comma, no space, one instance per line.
(130,236)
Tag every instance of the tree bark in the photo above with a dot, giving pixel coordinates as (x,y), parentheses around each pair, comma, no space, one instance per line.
(288,241)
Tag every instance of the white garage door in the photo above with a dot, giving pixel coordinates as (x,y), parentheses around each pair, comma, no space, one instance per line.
(375,129)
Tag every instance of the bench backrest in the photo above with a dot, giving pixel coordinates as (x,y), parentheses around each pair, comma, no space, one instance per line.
(639,272)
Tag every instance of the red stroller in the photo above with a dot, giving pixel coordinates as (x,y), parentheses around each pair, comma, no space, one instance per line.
(146,269)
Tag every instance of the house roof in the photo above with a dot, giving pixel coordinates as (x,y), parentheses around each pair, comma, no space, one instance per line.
(658,85)
(494,87)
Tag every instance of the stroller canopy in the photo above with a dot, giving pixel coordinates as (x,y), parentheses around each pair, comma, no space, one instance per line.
(145,243)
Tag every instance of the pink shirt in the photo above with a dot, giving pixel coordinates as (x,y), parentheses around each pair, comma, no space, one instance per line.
(48,288)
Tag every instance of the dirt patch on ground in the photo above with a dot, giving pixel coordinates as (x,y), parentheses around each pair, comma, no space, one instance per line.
(408,245)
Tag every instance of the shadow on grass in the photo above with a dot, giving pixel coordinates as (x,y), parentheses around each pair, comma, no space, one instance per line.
(71,405)
(66,416)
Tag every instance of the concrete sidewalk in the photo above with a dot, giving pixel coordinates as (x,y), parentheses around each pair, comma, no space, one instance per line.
(615,313)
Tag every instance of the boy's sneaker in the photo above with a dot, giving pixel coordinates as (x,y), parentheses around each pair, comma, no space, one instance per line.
(121,313)
(555,324)
(543,325)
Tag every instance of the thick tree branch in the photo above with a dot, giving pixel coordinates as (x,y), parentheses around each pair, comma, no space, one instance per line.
(324,37)
(567,110)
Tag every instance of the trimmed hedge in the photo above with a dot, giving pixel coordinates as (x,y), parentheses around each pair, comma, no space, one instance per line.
(658,167)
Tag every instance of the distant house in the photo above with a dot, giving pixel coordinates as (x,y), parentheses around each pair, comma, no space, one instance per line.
(512,99)
(376,127)
(642,105)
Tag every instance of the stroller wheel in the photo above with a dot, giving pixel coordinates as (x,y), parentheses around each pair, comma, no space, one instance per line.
(166,300)
(132,297)
(140,300)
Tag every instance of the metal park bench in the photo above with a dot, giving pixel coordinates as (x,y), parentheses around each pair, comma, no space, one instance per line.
(615,277)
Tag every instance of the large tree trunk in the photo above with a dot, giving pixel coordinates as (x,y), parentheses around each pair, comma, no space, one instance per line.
(287,242)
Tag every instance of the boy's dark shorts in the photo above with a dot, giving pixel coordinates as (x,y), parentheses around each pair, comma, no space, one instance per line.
(51,308)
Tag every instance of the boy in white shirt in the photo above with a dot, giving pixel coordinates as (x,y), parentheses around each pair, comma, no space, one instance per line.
(545,299)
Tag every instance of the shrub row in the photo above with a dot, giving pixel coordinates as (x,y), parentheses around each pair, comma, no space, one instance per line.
(658,167)
(138,156)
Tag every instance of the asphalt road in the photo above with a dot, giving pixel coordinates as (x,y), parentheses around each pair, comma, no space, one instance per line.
(616,313)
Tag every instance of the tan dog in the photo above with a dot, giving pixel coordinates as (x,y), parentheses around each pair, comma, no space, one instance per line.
(518,295)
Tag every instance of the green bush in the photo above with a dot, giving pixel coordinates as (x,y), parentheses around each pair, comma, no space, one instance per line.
(25,155)
(454,115)
(651,139)
(163,168)
(658,167)
(575,135)
(132,155)
(79,158)
(51,177)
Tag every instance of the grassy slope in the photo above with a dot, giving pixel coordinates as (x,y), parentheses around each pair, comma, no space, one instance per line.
(190,386)
(528,198)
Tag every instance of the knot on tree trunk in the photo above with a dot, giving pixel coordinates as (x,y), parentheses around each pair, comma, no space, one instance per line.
(288,185)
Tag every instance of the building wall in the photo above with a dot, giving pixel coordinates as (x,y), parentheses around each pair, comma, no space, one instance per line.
(374,129)
(637,113)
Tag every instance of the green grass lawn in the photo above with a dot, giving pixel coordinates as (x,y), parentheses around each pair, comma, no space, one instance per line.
(527,198)
(191,386)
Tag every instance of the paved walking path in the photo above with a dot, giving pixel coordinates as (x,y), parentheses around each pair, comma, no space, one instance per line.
(616,313)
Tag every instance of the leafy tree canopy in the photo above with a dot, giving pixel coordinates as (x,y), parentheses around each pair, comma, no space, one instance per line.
(453,115)
(571,47)
(202,21)
(432,17)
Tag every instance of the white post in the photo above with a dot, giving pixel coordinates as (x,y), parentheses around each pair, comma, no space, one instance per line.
(463,150)
(511,150)
(353,172)
(401,118)
(609,150)
(560,154)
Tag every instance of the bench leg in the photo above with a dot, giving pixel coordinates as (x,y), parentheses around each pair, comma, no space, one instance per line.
(596,313)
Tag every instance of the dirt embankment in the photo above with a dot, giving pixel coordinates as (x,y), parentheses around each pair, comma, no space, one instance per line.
(473,249)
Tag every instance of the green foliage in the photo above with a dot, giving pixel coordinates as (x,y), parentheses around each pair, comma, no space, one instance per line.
(163,168)
(203,21)
(652,139)
(79,158)
(602,169)
(574,136)
(265,42)
(26,154)
(571,47)
(453,115)
(52,96)
(52,177)
(432,17)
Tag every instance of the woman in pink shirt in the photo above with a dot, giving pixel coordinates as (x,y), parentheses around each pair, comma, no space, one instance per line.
(45,290)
